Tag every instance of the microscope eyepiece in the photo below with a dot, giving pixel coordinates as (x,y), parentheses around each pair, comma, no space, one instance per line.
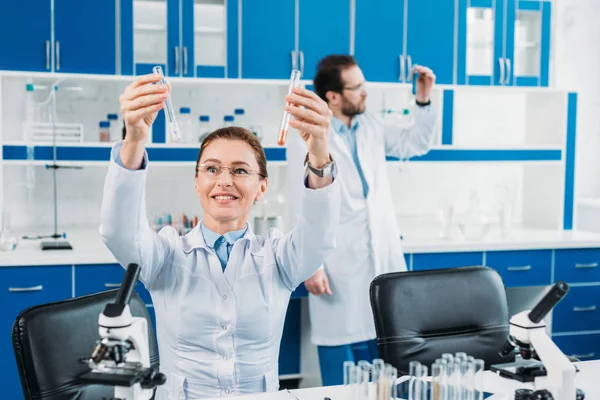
(554,295)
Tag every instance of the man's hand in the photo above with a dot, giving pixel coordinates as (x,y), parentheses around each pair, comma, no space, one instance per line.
(318,283)
(425,83)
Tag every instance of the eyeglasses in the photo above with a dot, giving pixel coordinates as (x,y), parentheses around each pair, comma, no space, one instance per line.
(214,171)
(356,88)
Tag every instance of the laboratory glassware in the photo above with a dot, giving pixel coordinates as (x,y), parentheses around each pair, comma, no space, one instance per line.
(169,112)
(294,79)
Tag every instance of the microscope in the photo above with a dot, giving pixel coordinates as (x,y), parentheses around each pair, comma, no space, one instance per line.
(121,357)
(528,334)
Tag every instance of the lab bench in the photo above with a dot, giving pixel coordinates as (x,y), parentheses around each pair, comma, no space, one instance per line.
(528,258)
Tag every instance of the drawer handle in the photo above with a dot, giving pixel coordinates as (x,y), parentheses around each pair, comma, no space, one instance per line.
(588,265)
(582,309)
(524,268)
(580,356)
(112,285)
(26,289)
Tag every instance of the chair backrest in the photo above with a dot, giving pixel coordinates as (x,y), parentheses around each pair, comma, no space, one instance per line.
(419,315)
(49,340)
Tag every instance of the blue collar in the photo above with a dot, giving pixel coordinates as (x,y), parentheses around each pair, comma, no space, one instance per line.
(211,237)
(341,128)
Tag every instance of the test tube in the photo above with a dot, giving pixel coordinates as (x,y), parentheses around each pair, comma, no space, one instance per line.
(461,355)
(172,126)
(448,357)
(394,388)
(422,384)
(414,368)
(436,381)
(463,379)
(364,368)
(348,369)
(294,79)
(449,379)
(478,370)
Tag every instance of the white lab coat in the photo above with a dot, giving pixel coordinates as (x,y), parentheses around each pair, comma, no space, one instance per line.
(218,332)
(368,239)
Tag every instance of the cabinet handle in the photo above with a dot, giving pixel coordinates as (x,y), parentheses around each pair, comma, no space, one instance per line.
(508,68)
(176,60)
(409,68)
(185,61)
(26,289)
(502,72)
(584,309)
(402,68)
(301,63)
(294,60)
(580,356)
(523,268)
(57,51)
(47,54)
(588,265)
(112,285)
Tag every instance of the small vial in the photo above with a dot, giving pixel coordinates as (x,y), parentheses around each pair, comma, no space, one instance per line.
(104,133)
(172,126)
(414,369)
(349,371)
(294,79)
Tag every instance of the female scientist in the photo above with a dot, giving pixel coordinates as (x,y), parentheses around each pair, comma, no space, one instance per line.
(220,293)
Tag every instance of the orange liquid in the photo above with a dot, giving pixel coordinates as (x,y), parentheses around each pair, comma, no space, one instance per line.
(282,137)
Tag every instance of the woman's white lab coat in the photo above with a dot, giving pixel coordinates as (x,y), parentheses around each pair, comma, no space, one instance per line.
(368,238)
(218,332)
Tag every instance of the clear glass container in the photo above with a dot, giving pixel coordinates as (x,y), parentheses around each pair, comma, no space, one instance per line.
(480,41)
(240,117)
(474,224)
(8,240)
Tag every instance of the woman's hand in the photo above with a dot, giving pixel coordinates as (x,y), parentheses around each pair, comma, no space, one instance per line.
(140,103)
(312,118)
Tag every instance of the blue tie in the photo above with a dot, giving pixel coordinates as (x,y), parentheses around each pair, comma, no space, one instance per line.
(222,250)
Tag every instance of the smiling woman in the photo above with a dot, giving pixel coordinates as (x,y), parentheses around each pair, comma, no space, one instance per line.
(220,292)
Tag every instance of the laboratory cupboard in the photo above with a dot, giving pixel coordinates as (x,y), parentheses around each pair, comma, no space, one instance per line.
(474,42)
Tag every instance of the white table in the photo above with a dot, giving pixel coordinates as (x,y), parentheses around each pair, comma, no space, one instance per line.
(588,379)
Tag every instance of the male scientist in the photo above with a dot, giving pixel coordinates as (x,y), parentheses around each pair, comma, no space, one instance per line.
(368,238)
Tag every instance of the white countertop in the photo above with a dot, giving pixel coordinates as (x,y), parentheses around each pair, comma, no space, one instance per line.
(89,249)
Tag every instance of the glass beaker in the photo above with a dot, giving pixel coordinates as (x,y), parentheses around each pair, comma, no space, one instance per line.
(8,240)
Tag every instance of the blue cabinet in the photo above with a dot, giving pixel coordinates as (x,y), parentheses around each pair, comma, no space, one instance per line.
(324,29)
(268,39)
(84,37)
(379,40)
(21,288)
(98,278)
(503,42)
(577,265)
(585,347)
(430,37)
(446,260)
(26,36)
(578,311)
(522,268)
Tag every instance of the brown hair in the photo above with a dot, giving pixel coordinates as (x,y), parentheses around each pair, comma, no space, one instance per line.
(237,133)
(329,74)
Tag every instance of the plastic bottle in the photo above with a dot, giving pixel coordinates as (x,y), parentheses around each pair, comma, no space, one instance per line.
(185,124)
(228,120)
(240,117)
(104,132)
(115,127)
(204,127)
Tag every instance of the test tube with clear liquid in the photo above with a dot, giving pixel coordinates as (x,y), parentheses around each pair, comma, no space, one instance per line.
(172,126)
(294,79)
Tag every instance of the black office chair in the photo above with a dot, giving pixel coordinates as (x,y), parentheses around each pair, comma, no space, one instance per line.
(49,340)
(419,315)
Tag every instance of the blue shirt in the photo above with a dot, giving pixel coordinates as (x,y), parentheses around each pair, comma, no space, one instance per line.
(221,244)
(349,136)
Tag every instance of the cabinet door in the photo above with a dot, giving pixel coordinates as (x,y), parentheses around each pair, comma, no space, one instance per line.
(522,268)
(529,34)
(85,36)
(155,31)
(430,37)
(203,42)
(446,260)
(480,42)
(324,29)
(98,278)
(21,288)
(268,37)
(379,40)
(26,35)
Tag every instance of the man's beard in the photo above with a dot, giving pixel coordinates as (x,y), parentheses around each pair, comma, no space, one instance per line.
(350,110)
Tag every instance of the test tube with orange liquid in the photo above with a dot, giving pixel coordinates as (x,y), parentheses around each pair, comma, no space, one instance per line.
(294,80)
